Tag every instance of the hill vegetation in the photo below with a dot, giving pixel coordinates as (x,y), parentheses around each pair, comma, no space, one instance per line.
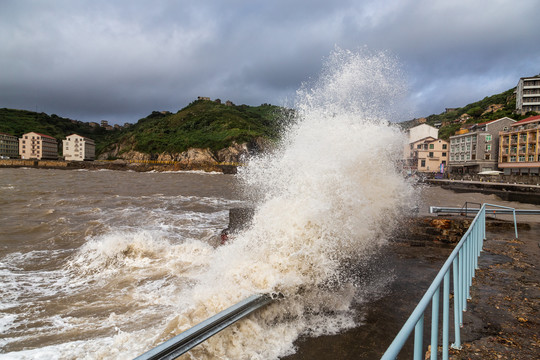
(490,108)
(202,124)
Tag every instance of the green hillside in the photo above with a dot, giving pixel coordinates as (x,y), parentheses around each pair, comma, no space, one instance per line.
(202,124)
(479,112)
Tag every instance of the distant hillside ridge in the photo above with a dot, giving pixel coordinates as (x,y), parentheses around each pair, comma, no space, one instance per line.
(203,124)
(489,108)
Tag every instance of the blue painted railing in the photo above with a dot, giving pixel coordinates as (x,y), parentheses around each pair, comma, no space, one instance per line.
(463,261)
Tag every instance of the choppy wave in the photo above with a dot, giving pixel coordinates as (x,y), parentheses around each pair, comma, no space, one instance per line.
(145,267)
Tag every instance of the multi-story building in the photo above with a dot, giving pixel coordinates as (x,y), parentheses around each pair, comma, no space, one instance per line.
(9,146)
(78,148)
(428,155)
(414,134)
(477,150)
(38,146)
(528,94)
(519,147)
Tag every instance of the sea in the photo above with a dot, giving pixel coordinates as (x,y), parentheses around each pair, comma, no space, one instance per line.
(108,264)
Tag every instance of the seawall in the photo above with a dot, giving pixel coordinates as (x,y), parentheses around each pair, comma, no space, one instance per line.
(506,191)
(33,163)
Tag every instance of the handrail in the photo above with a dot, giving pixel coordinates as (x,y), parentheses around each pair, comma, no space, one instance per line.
(464,262)
(456,210)
(187,340)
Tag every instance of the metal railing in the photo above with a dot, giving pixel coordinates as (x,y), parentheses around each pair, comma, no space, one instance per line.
(464,261)
(182,343)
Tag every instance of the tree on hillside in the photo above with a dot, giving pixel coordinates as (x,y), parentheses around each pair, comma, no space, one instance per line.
(476,111)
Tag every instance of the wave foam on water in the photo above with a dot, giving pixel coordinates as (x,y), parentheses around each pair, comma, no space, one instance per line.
(327,197)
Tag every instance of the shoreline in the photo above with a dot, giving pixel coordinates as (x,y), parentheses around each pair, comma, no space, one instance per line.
(120,165)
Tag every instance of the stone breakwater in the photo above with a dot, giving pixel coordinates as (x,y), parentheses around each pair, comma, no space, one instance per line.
(139,166)
(34,163)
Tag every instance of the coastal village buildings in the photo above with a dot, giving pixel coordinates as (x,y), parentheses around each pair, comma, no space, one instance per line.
(424,151)
(476,149)
(519,147)
(33,145)
(9,146)
(428,155)
(528,94)
(78,148)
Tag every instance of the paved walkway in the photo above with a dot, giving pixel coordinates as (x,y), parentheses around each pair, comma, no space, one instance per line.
(503,317)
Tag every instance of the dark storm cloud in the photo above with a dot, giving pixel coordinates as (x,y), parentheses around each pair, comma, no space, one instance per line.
(93,60)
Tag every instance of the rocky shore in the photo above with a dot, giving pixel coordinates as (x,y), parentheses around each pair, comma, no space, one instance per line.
(122,165)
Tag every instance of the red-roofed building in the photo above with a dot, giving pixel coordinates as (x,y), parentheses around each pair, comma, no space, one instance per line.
(519,147)
(33,145)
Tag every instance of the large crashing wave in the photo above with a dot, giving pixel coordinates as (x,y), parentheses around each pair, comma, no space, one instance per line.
(327,197)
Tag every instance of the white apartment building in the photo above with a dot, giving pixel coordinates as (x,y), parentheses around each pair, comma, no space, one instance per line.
(78,148)
(33,145)
(528,94)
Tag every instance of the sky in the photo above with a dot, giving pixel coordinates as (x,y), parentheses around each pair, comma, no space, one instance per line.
(120,60)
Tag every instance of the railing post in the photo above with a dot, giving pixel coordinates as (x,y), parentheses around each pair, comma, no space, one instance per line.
(461,283)
(435,323)
(418,338)
(457,303)
(446,310)
(515,223)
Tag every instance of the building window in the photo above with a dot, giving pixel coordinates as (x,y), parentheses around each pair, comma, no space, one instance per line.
(488,147)
(512,159)
(430,154)
(488,137)
(419,146)
(444,146)
(431,146)
(443,154)
(531,157)
(487,156)
(423,163)
(522,158)
(505,128)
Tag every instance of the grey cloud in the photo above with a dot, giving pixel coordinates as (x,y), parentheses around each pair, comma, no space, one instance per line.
(121,60)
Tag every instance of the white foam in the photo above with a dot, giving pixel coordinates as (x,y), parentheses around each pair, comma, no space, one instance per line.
(328,195)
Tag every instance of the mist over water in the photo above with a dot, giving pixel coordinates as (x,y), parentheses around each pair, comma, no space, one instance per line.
(325,200)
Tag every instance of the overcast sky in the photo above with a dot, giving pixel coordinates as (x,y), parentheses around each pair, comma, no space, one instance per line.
(121,60)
